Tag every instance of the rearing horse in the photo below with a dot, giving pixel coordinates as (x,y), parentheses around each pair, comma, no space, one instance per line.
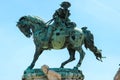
(73,41)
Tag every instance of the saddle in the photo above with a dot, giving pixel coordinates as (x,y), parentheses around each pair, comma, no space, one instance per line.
(58,38)
(56,35)
(59,35)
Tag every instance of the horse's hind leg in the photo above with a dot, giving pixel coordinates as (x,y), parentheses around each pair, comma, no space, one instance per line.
(71,58)
(82,54)
(36,55)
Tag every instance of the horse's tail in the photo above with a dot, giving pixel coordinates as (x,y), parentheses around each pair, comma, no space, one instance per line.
(89,43)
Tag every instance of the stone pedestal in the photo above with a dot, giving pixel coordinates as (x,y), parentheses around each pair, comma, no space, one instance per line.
(66,74)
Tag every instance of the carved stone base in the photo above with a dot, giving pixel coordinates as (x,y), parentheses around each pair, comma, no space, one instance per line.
(66,74)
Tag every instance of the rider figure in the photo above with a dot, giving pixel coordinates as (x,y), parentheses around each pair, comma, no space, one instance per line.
(63,14)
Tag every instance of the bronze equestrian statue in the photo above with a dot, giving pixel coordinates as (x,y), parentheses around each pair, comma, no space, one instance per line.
(62,34)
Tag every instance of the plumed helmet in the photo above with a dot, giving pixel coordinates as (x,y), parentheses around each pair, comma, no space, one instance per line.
(65,4)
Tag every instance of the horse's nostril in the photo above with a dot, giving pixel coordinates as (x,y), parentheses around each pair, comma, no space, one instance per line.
(27,35)
(57,34)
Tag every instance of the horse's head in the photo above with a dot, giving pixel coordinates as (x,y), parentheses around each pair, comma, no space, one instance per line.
(24,26)
(30,24)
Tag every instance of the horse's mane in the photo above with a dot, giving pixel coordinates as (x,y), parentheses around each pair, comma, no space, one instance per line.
(27,21)
(33,19)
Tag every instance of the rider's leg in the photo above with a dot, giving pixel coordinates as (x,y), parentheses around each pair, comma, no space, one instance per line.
(48,35)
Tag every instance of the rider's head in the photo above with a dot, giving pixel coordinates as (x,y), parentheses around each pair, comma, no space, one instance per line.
(65,4)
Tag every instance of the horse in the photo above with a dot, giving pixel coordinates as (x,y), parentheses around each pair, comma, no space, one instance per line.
(61,38)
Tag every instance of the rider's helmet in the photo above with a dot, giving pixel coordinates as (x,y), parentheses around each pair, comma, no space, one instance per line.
(65,4)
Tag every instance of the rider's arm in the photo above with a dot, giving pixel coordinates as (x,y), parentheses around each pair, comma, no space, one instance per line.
(57,13)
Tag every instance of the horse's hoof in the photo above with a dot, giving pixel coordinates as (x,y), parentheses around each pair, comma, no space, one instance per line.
(75,68)
(29,68)
(61,67)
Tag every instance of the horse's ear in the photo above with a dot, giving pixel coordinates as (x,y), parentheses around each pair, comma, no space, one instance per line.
(22,18)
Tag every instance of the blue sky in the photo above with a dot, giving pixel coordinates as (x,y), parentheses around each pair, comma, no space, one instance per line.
(102,17)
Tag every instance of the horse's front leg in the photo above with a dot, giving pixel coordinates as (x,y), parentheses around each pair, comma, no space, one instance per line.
(35,58)
(82,54)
